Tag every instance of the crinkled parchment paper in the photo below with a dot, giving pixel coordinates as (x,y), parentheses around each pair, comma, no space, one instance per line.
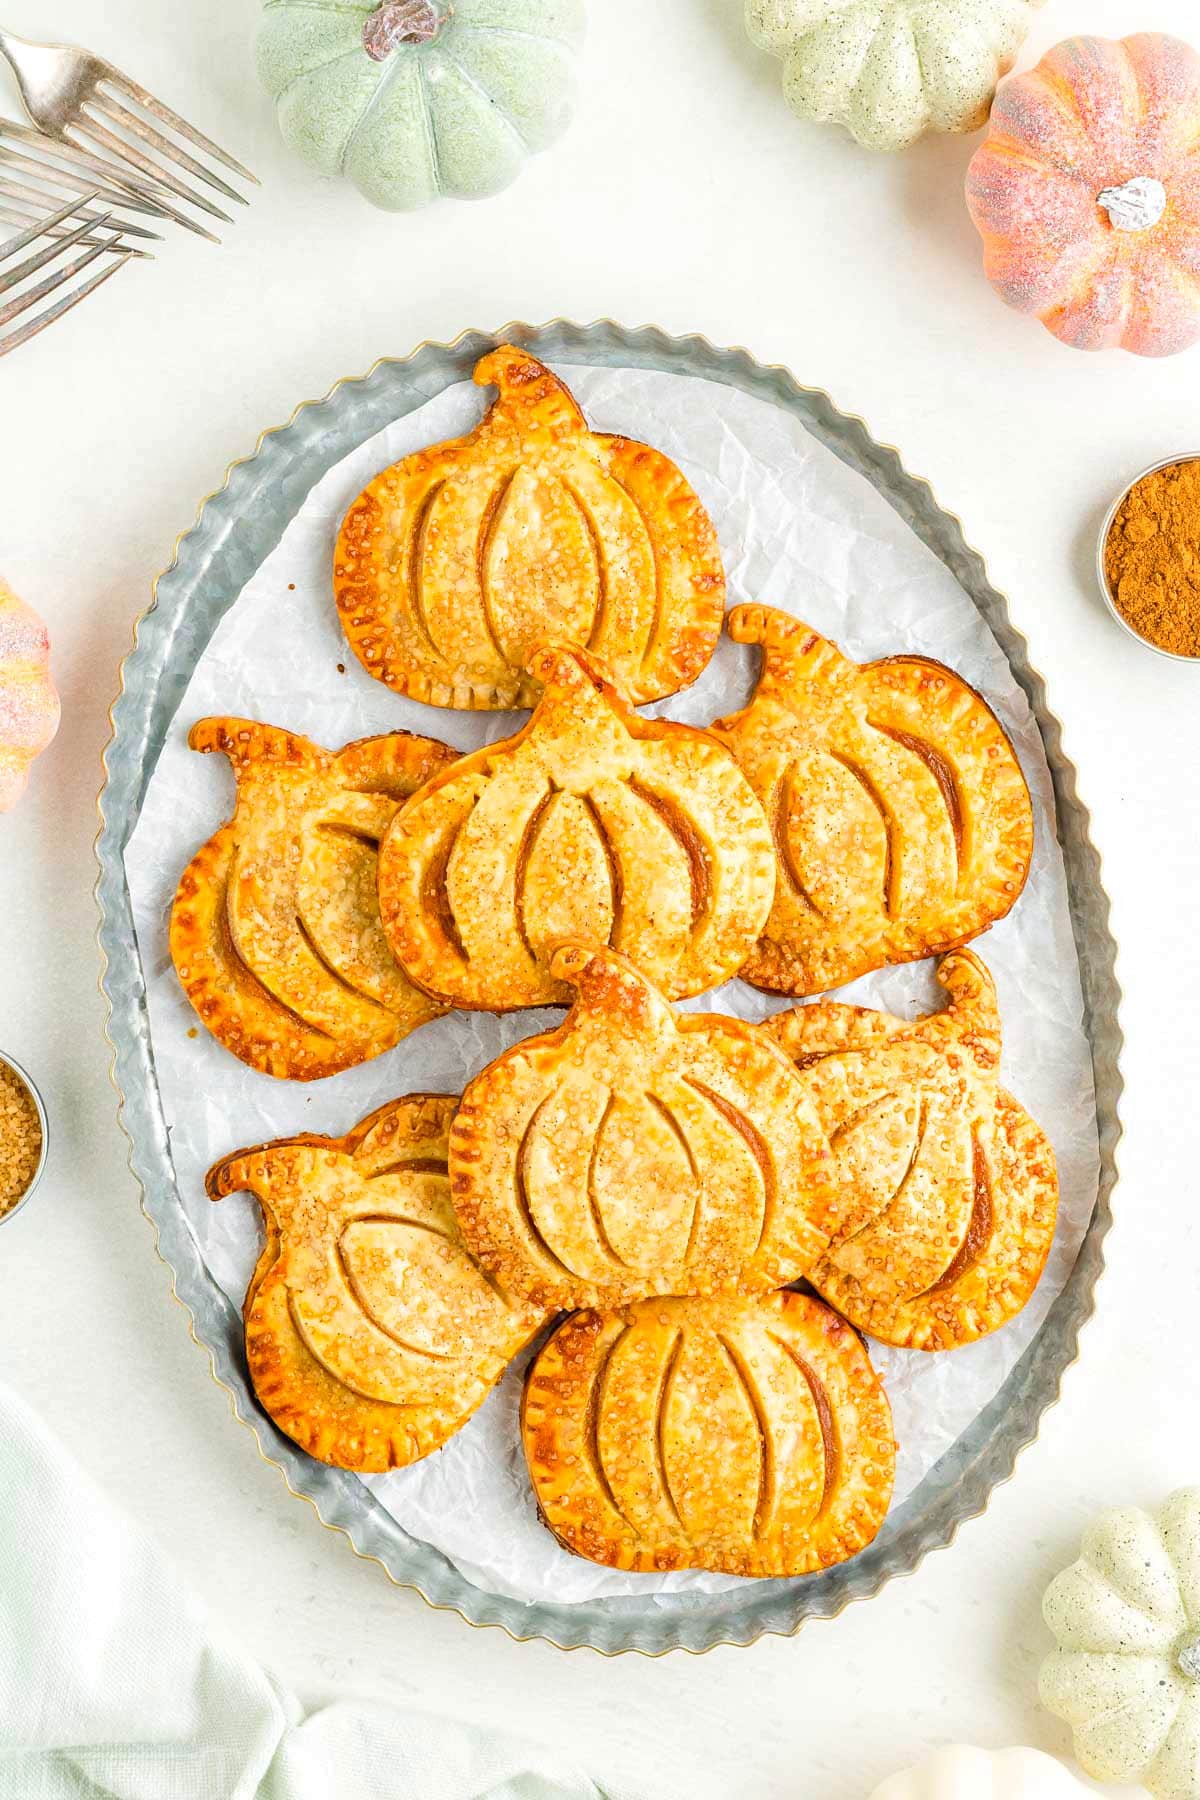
(799,531)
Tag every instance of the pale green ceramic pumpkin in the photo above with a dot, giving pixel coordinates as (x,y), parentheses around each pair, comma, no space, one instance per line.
(412,99)
(1126,1674)
(890,70)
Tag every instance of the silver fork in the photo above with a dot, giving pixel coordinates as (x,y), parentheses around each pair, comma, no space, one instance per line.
(37,174)
(92,244)
(59,169)
(71,95)
(21,206)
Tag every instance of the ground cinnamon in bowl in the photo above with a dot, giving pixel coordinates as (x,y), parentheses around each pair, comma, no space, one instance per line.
(1151,558)
(22,1139)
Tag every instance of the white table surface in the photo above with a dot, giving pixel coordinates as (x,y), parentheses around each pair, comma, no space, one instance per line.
(685,194)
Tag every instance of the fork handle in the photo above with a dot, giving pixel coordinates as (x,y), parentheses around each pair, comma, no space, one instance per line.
(8,49)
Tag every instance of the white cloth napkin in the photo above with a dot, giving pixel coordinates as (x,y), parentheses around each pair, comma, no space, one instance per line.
(115,1685)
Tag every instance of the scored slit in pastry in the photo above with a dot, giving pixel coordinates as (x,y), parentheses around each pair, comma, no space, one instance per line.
(590,821)
(901,819)
(751,1437)
(275,930)
(949,1189)
(371,1333)
(639,1151)
(453,565)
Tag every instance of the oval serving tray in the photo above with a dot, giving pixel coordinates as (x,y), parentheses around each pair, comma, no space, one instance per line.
(235,531)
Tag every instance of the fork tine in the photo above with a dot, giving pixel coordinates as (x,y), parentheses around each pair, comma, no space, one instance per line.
(52,175)
(78,160)
(22,335)
(158,200)
(129,121)
(19,191)
(38,261)
(147,101)
(20,213)
(87,123)
(13,245)
(52,282)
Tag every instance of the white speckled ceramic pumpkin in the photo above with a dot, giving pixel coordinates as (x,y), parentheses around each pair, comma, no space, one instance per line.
(890,70)
(413,99)
(962,1773)
(1126,1674)
(29,709)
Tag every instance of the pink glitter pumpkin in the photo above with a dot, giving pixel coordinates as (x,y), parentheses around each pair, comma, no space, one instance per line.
(1086,193)
(29,709)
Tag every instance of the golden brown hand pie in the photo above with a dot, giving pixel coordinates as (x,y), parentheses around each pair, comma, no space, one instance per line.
(638,1151)
(747,1436)
(371,1334)
(949,1189)
(591,821)
(454,564)
(901,817)
(275,931)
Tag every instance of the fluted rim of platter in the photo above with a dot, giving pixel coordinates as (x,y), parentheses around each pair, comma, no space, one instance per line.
(212,549)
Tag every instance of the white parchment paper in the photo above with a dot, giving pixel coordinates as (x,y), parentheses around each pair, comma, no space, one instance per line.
(798,531)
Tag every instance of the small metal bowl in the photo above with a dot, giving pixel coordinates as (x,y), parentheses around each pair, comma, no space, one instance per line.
(1168,462)
(24,1076)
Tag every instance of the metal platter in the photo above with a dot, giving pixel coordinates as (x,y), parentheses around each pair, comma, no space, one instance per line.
(236,529)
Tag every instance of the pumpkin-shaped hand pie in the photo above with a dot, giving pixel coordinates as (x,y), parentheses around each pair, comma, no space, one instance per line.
(901,817)
(275,932)
(371,1333)
(637,1151)
(453,565)
(591,822)
(948,1189)
(747,1436)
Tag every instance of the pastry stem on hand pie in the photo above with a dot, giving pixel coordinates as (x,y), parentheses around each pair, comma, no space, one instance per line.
(751,1437)
(902,821)
(454,564)
(591,821)
(948,1188)
(371,1334)
(275,931)
(639,1151)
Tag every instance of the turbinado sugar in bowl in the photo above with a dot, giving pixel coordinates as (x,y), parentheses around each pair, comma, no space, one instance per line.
(20,1139)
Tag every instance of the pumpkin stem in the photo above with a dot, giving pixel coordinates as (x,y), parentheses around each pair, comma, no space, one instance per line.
(612,992)
(1187,1660)
(396,22)
(1136,205)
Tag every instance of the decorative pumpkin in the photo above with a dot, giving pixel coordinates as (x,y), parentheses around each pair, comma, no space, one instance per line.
(29,708)
(455,564)
(751,1436)
(963,1773)
(275,930)
(1126,1674)
(638,1151)
(890,70)
(413,99)
(591,820)
(1087,194)
(371,1334)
